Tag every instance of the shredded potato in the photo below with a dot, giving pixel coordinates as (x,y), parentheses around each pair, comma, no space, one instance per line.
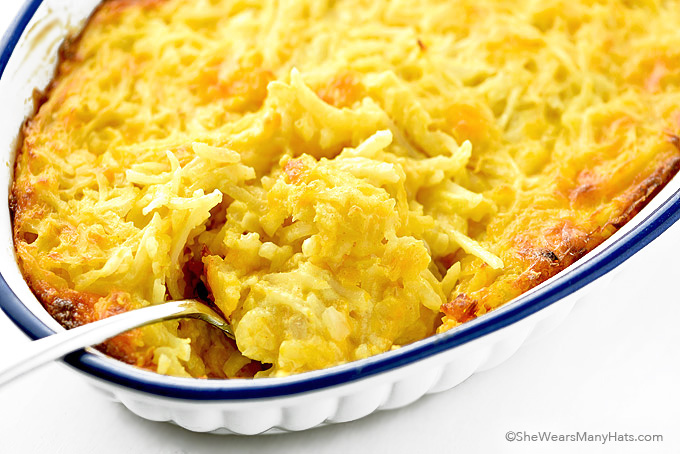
(338,178)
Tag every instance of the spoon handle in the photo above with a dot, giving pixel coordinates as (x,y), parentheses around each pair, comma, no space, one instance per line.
(42,351)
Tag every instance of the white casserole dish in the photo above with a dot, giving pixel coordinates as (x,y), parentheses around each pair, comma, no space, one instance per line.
(28,53)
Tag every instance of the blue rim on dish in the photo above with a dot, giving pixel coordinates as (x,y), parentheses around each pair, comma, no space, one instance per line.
(569,281)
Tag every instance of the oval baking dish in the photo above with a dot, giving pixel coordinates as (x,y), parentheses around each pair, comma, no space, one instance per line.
(342,393)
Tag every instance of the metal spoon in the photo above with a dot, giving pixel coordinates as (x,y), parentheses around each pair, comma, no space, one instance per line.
(58,345)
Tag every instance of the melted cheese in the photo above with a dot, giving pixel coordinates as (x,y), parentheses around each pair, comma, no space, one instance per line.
(339,177)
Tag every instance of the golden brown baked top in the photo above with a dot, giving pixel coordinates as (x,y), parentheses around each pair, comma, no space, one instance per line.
(338,177)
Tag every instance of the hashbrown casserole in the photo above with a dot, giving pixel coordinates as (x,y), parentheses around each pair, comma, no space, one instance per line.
(338,178)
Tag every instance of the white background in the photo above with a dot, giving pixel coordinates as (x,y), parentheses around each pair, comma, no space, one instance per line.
(613,366)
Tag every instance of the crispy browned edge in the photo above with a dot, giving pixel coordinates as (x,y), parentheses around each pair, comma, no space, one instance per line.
(571,243)
(68,307)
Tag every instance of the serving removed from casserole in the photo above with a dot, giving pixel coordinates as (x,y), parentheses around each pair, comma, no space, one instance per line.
(338,178)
